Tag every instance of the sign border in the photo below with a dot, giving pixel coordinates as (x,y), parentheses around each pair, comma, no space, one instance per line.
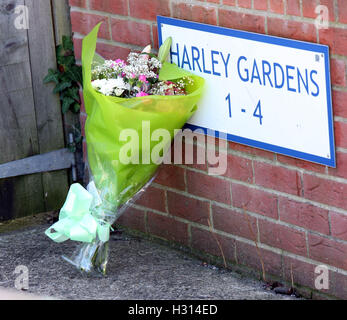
(297,44)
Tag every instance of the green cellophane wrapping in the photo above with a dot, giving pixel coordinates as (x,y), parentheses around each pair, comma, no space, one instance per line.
(107,116)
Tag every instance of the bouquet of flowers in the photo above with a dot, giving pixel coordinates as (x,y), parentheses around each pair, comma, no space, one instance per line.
(144,98)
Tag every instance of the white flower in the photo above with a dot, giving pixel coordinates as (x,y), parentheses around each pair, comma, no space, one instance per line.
(118,92)
(110,87)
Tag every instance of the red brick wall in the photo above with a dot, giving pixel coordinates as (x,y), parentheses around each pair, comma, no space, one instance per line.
(297,210)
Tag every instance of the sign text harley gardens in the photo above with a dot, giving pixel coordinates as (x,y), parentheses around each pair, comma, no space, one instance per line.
(262,91)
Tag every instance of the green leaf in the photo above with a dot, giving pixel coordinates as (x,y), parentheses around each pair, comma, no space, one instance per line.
(61,86)
(164,50)
(68,61)
(73,93)
(52,76)
(75,74)
(67,102)
(152,55)
(171,71)
(58,50)
(76,107)
(77,70)
(67,43)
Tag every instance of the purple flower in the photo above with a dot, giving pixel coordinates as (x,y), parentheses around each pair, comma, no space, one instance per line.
(143,78)
(141,94)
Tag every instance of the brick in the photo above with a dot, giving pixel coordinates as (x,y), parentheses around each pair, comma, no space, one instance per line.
(341,165)
(196,13)
(254,200)
(171,176)
(83,118)
(260,5)
(342,11)
(149,9)
(277,178)
(167,228)
(301,163)
(276,6)
(85,22)
(235,223)
(213,1)
(131,32)
(84,148)
(338,72)
(245,3)
(155,43)
(308,8)
(188,208)
(133,218)
(304,215)
(251,151)
(111,6)
(328,251)
(112,52)
(247,255)
(282,237)
(82,106)
(340,103)
(335,38)
(242,21)
(239,168)
(325,191)
(340,129)
(229,2)
(320,296)
(338,285)
(206,241)
(153,198)
(338,225)
(77,3)
(77,44)
(302,272)
(205,186)
(293,7)
(194,156)
(292,29)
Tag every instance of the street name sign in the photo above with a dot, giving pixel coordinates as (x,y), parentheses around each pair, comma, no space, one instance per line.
(262,91)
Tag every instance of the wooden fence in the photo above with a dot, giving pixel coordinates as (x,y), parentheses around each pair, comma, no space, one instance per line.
(31,122)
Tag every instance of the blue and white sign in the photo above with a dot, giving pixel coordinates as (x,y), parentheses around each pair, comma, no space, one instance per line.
(262,91)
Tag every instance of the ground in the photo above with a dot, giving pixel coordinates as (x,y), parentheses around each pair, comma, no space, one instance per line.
(138,269)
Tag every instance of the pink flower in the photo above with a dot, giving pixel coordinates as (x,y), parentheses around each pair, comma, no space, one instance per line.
(133,75)
(143,78)
(141,94)
(120,61)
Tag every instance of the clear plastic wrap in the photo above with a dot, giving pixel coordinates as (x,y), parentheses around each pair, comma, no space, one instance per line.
(88,214)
